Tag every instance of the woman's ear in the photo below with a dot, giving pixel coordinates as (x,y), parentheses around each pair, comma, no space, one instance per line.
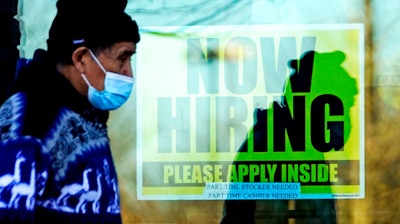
(78,58)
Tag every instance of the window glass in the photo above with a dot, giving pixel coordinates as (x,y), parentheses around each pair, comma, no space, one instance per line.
(265,110)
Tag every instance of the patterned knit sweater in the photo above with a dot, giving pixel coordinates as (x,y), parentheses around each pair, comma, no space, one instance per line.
(56,163)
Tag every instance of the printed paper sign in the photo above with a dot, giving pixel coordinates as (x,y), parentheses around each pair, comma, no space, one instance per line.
(250,112)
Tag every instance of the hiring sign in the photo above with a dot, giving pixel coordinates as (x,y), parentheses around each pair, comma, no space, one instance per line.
(250,112)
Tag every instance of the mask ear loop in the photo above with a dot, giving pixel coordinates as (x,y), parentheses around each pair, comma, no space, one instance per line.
(85,79)
(98,62)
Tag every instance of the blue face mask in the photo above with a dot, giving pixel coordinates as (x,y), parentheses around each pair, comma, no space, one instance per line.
(117,89)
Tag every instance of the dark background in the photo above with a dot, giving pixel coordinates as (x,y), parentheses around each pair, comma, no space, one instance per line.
(9,41)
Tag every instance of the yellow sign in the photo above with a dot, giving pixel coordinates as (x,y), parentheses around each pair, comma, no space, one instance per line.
(223,110)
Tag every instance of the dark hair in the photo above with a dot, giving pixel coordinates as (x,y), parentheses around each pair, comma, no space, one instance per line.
(91,23)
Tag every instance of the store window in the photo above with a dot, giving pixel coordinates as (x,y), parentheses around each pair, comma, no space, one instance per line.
(273,111)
